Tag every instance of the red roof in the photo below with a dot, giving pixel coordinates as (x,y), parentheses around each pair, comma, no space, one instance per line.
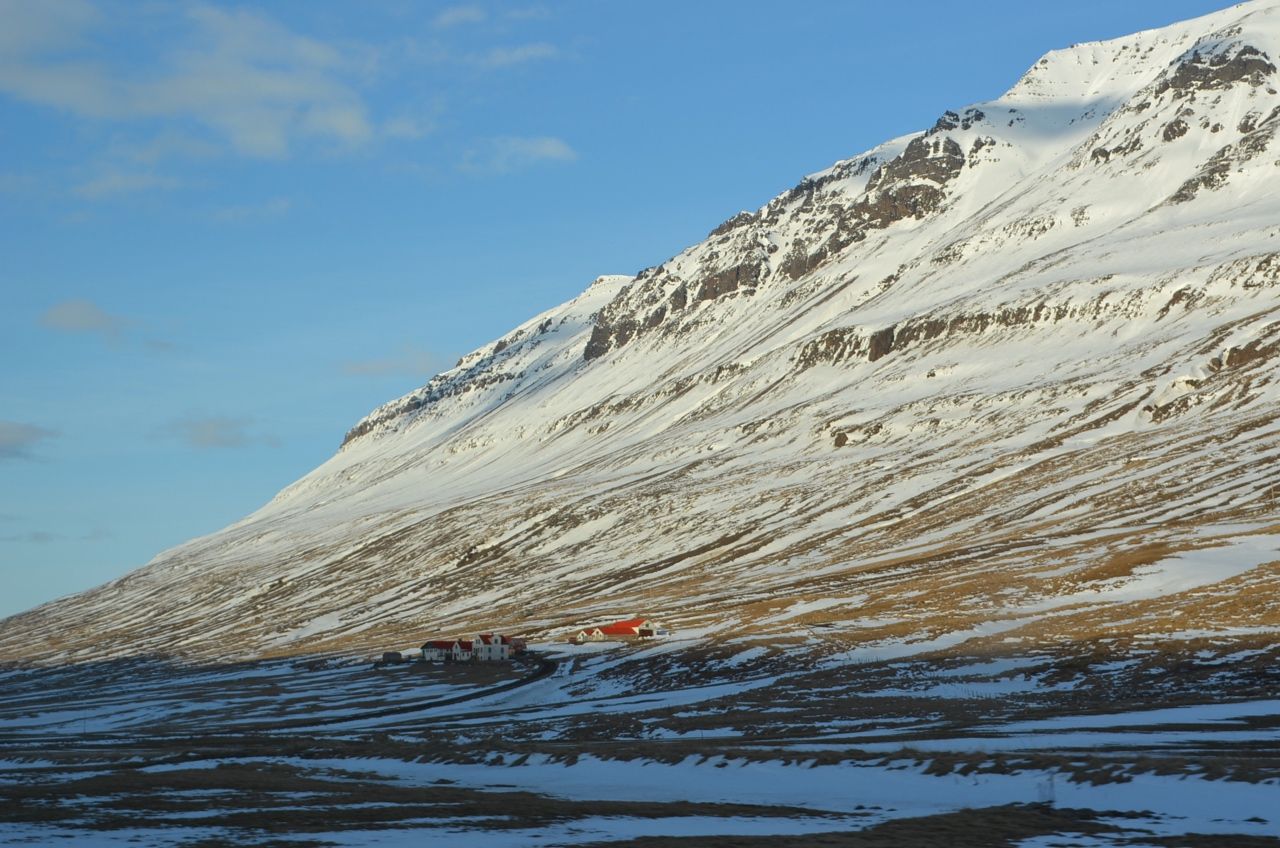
(465,643)
(630,626)
(442,644)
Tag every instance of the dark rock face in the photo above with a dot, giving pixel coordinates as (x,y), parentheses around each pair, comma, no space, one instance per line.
(909,186)
(831,347)
(473,379)
(934,159)
(880,344)
(1215,172)
(847,343)
(951,121)
(730,280)
(1212,175)
(619,322)
(739,220)
(1200,72)
(606,335)
(1175,129)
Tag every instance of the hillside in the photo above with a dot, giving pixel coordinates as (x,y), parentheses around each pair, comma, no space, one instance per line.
(1009,380)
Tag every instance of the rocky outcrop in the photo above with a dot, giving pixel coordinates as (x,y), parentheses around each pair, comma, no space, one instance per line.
(1215,172)
(1209,71)
(850,343)
(827,222)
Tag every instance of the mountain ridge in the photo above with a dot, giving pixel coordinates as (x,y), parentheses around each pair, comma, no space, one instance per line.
(923,371)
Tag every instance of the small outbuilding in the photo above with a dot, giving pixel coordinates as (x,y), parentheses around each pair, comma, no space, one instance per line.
(588,634)
(444,650)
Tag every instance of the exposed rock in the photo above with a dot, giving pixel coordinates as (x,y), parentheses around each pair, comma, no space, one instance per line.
(1215,172)
(951,121)
(729,280)
(1201,71)
(880,344)
(908,186)
(935,159)
(848,343)
(980,144)
(739,220)
(1212,174)
(1175,129)
(608,335)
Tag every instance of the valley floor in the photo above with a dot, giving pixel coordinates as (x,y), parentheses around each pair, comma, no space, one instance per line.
(677,743)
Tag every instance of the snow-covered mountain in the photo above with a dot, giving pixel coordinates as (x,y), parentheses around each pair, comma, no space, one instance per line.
(1009,378)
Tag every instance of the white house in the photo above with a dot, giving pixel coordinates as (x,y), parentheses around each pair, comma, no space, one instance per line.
(588,634)
(490,648)
(446,650)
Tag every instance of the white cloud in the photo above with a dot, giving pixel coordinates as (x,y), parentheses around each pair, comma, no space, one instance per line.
(47,25)
(17,439)
(407,127)
(503,57)
(529,13)
(513,153)
(455,15)
(249,81)
(113,182)
(169,144)
(84,316)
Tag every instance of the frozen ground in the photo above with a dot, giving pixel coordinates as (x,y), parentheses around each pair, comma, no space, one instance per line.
(619,745)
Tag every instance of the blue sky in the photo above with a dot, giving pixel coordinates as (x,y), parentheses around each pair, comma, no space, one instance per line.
(228,231)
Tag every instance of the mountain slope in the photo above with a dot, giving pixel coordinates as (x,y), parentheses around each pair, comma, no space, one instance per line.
(1009,378)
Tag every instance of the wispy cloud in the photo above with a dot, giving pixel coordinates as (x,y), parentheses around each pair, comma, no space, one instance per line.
(513,153)
(17,439)
(48,25)
(169,144)
(112,182)
(408,127)
(529,13)
(505,57)
(33,537)
(44,537)
(216,431)
(245,79)
(84,316)
(409,360)
(455,15)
